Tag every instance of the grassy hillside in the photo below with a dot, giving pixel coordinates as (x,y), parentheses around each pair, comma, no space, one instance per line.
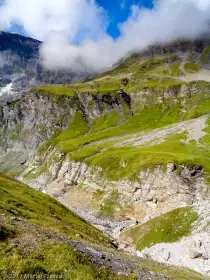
(35,235)
(96,146)
(39,236)
(38,208)
(160,96)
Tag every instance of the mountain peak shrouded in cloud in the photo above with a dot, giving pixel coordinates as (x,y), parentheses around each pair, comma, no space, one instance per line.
(75,32)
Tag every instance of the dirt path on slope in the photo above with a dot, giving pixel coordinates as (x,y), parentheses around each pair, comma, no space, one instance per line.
(203,75)
(194,127)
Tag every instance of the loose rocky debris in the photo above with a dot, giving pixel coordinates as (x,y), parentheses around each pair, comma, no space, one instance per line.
(18,219)
(191,173)
(116,264)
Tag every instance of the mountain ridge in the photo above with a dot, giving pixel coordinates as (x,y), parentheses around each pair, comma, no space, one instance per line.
(19,44)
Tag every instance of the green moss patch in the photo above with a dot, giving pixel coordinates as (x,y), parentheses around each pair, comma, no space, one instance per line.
(191,67)
(106,121)
(110,205)
(98,87)
(55,89)
(148,118)
(175,69)
(77,128)
(167,228)
(16,133)
(156,84)
(205,56)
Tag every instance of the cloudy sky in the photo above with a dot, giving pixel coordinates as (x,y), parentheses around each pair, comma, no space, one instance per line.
(37,17)
(100,32)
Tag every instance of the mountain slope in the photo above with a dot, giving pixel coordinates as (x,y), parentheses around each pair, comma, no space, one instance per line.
(122,148)
(39,236)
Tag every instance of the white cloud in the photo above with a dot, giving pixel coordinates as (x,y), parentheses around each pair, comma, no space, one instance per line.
(60,22)
(202,4)
(168,20)
(40,17)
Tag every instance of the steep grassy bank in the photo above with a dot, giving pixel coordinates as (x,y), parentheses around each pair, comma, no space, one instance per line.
(35,207)
(39,236)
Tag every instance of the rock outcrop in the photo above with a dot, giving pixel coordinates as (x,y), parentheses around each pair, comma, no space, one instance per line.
(159,190)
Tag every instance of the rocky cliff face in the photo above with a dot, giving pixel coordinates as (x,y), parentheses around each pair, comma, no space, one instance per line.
(28,122)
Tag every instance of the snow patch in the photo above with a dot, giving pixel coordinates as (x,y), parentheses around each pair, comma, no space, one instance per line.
(7,89)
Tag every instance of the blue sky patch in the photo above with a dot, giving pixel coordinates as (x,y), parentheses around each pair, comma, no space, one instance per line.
(119,10)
